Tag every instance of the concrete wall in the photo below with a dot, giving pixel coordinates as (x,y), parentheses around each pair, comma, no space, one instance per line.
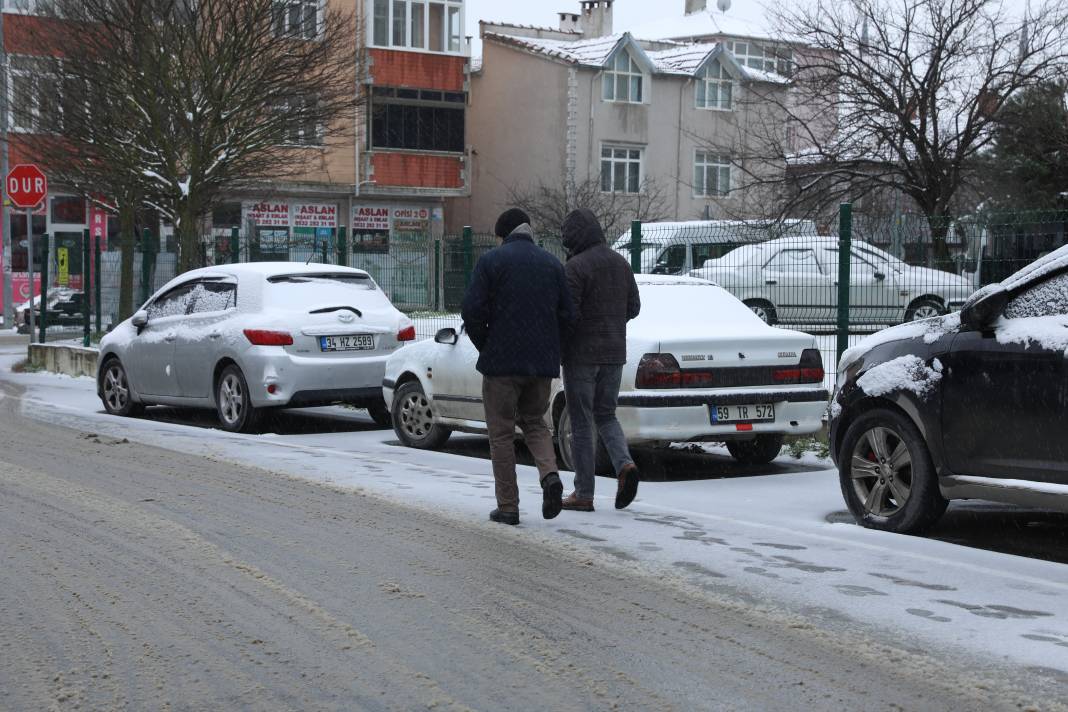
(69,360)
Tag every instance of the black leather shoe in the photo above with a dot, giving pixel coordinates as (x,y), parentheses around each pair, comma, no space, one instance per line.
(628,486)
(552,492)
(500,517)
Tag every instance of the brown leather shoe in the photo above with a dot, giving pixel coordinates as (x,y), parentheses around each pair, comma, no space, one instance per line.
(576,504)
(628,485)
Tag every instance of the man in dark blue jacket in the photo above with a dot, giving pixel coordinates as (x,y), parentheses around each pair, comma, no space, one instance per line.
(517,311)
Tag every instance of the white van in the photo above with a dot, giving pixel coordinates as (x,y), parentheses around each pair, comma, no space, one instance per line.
(678,247)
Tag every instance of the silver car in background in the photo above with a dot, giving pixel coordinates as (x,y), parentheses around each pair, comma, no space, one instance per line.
(243,338)
(794,280)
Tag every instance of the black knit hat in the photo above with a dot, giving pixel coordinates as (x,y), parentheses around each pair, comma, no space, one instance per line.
(509,220)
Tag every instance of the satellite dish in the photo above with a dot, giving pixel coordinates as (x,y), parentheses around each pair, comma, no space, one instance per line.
(723,5)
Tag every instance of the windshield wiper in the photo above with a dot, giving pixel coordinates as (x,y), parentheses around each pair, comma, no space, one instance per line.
(327,310)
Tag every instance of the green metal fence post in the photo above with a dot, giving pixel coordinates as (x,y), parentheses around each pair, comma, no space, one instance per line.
(845,242)
(235,246)
(44,290)
(325,250)
(98,276)
(469,255)
(86,274)
(146,263)
(437,275)
(340,246)
(636,246)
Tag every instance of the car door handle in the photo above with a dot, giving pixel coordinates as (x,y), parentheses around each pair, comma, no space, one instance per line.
(170,337)
(214,335)
(771,281)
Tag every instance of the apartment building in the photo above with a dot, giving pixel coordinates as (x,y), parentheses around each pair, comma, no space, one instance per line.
(677,105)
(380,180)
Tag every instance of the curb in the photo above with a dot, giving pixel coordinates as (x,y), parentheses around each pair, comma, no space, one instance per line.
(69,360)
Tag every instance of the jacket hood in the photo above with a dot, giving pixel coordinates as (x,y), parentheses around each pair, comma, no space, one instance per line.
(582,231)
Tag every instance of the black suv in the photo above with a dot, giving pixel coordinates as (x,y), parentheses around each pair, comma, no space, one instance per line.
(965,406)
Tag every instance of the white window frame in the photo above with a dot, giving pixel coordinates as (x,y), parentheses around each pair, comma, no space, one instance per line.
(757,56)
(707,164)
(283,8)
(714,80)
(621,157)
(630,73)
(301,139)
(452,25)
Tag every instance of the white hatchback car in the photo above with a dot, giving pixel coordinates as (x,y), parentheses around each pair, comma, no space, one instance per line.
(700,367)
(794,280)
(242,338)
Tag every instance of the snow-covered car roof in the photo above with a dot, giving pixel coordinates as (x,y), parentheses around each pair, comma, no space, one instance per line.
(1053,262)
(654,280)
(267,269)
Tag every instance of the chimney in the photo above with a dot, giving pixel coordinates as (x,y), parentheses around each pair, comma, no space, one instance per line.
(597,18)
(694,6)
(569,22)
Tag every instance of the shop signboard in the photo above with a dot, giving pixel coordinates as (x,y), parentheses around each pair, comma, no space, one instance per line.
(315,215)
(370,217)
(267,214)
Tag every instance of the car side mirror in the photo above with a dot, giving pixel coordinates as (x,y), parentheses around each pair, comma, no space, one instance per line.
(981,312)
(447,336)
(880,276)
(139,319)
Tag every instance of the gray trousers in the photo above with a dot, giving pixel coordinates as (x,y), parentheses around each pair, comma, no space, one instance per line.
(592,391)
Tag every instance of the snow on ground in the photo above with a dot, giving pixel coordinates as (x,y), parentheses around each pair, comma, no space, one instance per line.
(772,540)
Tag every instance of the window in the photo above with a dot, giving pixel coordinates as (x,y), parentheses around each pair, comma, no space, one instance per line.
(176,302)
(301,127)
(715,88)
(68,209)
(672,260)
(711,174)
(213,296)
(296,18)
(794,261)
(621,169)
(766,59)
(623,80)
(418,24)
(1047,298)
(417,120)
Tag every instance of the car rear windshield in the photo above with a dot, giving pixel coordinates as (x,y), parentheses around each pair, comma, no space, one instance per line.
(301,291)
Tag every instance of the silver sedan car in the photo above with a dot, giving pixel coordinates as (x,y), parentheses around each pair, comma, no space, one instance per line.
(245,338)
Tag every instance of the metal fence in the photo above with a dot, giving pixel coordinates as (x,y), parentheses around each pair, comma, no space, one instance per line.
(836,281)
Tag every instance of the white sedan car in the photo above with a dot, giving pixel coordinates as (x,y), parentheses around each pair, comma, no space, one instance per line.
(700,367)
(243,338)
(794,280)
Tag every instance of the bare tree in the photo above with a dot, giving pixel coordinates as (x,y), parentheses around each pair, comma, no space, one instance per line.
(896,96)
(548,203)
(195,98)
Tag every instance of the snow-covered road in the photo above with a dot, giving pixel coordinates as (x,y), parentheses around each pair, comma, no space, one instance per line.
(777,541)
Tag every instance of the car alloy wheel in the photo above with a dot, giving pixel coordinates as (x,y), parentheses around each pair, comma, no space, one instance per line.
(116,389)
(924,309)
(762,309)
(413,418)
(231,399)
(881,471)
(416,416)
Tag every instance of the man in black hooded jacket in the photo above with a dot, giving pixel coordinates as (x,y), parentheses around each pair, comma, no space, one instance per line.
(605,298)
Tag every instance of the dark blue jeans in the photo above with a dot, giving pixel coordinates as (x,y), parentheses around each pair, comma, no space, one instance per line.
(592,391)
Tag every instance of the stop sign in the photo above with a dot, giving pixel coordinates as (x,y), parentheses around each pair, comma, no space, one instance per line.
(26,185)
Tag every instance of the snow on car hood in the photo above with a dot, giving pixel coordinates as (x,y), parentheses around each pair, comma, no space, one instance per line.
(930,330)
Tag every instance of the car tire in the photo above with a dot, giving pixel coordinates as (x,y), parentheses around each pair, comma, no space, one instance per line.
(759,451)
(924,309)
(763,309)
(380,414)
(901,492)
(602,463)
(413,418)
(233,402)
(116,394)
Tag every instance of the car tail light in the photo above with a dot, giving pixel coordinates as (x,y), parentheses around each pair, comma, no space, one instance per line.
(406,334)
(262,337)
(809,370)
(658,371)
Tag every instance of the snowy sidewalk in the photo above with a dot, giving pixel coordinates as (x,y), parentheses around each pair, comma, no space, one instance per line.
(761,539)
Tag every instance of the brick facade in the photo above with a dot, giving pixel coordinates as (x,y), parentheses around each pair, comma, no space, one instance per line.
(417,70)
(412,170)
